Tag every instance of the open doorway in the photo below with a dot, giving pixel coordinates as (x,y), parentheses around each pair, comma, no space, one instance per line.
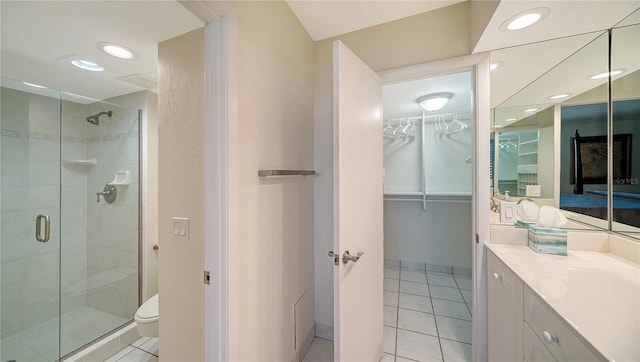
(428,227)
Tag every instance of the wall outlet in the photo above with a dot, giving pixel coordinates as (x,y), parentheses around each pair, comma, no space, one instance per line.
(508,212)
(533,190)
(180,228)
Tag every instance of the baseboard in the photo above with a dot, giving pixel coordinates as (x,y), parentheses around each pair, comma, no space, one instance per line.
(304,348)
(433,268)
(325,332)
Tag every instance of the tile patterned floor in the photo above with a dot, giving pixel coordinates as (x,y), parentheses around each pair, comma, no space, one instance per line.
(427,316)
(143,350)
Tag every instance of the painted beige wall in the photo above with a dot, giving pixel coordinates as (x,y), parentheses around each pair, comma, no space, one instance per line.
(271,220)
(439,34)
(481,12)
(180,171)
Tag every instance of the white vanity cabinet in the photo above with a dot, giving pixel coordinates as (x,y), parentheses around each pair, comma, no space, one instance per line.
(523,327)
(564,343)
(504,291)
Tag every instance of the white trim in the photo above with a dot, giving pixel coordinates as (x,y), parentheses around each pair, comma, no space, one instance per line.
(479,64)
(480,207)
(216,176)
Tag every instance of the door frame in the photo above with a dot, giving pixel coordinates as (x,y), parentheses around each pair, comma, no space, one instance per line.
(219,76)
(479,64)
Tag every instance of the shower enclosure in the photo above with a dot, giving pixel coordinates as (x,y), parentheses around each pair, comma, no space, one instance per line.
(69,247)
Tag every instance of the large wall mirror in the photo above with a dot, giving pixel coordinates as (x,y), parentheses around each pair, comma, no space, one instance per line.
(555,139)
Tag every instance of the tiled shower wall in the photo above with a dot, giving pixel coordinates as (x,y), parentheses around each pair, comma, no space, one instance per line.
(112,234)
(30,186)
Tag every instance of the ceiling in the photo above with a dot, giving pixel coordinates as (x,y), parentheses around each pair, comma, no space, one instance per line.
(325,19)
(40,38)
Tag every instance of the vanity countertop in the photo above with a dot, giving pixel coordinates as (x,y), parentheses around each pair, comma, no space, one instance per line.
(596,293)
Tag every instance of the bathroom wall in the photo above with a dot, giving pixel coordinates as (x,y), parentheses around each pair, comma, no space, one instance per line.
(180,153)
(271,228)
(439,34)
(271,221)
(30,186)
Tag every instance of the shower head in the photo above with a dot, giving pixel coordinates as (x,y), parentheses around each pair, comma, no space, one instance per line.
(95,119)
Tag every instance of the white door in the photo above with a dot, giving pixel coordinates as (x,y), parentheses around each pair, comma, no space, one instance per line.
(358,213)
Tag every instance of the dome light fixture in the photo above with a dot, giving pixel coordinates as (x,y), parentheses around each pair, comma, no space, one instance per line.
(117,50)
(524,19)
(87,65)
(434,101)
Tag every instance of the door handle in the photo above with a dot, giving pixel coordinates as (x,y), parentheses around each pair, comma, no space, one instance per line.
(347,257)
(47,228)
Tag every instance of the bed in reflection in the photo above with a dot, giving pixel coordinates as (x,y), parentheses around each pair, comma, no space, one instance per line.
(626,206)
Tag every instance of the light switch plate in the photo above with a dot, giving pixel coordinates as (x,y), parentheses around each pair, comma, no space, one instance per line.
(533,190)
(180,226)
(508,212)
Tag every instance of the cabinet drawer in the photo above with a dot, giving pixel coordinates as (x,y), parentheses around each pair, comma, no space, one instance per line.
(534,349)
(563,343)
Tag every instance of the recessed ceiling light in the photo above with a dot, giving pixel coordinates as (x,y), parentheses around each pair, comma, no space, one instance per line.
(87,65)
(531,110)
(495,65)
(606,74)
(33,85)
(560,96)
(434,101)
(524,19)
(510,119)
(118,51)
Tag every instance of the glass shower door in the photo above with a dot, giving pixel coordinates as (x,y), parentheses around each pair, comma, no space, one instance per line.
(30,222)
(100,213)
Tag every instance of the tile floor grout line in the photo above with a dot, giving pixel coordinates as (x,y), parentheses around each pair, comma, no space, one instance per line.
(464,300)
(395,347)
(145,351)
(435,321)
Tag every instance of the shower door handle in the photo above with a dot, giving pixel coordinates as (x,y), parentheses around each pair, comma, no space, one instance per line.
(47,228)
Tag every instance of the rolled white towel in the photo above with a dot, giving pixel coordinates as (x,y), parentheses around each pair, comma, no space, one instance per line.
(550,217)
(528,211)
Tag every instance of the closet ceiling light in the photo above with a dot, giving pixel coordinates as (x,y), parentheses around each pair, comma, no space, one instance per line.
(606,74)
(531,110)
(434,101)
(525,19)
(118,51)
(560,96)
(87,65)
(495,65)
(33,85)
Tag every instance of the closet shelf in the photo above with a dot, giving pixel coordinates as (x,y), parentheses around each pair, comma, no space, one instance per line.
(80,163)
(272,173)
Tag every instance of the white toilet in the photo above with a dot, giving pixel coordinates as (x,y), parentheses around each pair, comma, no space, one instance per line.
(147,317)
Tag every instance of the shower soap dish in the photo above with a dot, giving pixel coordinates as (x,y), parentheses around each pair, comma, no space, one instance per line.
(121,179)
(80,163)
